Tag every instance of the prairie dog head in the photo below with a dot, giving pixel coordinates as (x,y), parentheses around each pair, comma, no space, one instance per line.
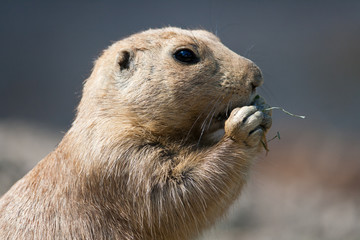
(170,82)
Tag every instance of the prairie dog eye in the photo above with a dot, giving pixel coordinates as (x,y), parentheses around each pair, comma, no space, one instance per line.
(186,56)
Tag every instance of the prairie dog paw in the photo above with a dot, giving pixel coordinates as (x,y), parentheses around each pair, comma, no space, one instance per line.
(247,125)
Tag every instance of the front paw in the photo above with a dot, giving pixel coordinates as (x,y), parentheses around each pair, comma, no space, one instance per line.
(247,125)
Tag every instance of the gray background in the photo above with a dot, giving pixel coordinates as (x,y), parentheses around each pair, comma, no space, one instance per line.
(309,53)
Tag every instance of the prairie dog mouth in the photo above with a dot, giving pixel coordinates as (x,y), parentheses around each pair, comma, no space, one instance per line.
(215,130)
(222,115)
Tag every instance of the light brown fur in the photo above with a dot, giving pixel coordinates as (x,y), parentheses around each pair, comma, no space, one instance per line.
(145,157)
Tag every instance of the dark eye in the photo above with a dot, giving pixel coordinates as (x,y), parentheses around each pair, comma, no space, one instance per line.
(186,56)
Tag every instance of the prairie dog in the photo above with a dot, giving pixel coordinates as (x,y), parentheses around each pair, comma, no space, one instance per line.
(163,139)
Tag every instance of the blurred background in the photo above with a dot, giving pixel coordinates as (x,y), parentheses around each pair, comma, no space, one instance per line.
(306,187)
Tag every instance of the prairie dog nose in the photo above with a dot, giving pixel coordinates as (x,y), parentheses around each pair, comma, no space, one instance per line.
(255,77)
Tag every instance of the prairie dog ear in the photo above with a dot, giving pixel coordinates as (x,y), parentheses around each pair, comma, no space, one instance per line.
(124,59)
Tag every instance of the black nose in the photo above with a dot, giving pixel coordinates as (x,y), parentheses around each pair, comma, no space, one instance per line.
(256,77)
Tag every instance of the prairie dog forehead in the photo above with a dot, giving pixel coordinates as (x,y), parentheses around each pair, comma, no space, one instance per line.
(176,36)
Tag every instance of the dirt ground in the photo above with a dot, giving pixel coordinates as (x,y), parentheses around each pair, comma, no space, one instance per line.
(306,187)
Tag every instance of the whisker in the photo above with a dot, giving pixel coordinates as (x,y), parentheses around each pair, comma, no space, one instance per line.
(267,93)
(212,116)
(267,90)
(247,52)
(202,132)
(213,109)
(197,119)
(227,109)
(228,106)
(203,126)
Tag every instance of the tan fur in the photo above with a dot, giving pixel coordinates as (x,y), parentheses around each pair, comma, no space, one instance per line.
(145,157)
